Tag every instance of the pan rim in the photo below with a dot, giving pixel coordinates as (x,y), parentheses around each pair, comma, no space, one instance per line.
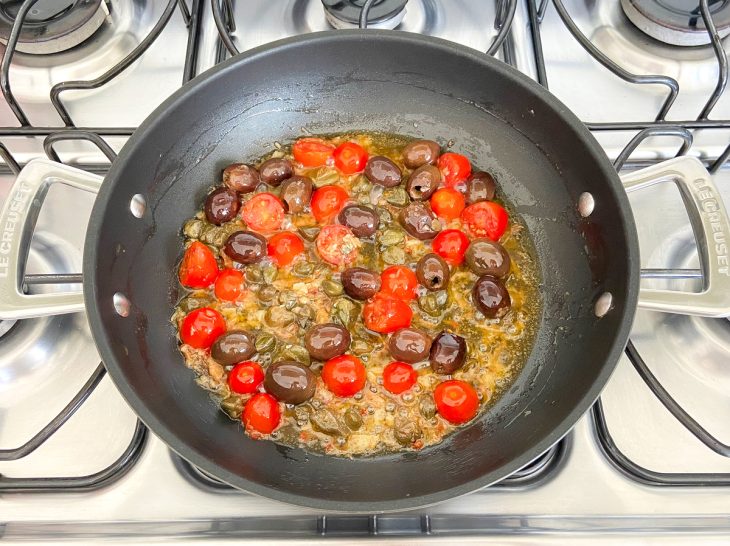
(103,339)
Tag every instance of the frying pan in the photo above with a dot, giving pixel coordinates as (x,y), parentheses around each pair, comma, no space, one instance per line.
(548,167)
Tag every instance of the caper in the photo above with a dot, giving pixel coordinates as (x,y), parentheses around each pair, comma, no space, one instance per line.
(265,342)
(442,297)
(385,217)
(406,432)
(303,269)
(394,255)
(296,353)
(208,233)
(192,228)
(288,300)
(191,302)
(391,237)
(331,288)
(301,413)
(233,406)
(253,274)
(267,294)
(429,305)
(427,406)
(396,196)
(325,421)
(324,176)
(362,185)
(353,419)
(305,311)
(279,317)
(269,273)
(360,347)
(309,233)
(345,311)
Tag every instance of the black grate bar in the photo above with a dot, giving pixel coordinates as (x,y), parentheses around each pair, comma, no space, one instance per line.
(535,19)
(53,278)
(8,57)
(541,10)
(43,131)
(9,159)
(720,161)
(187,17)
(364,12)
(721,60)
(231,21)
(52,427)
(503,23)
(680,132)
(94,138)
(191,52)
(638,125)
(625,75)
(223,30)
(122,65)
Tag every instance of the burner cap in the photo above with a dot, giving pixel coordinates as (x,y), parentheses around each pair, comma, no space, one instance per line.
(346,13)
(677,22)
(52,26)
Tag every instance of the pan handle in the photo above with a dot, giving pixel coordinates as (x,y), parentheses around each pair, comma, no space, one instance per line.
(17,222)
(711,227)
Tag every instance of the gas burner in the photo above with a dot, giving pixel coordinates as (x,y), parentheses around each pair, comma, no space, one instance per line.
(346,13)
(52,26)
(677,22)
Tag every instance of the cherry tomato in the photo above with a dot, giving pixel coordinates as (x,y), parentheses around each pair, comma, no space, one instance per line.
(261,414)
(399,282)
(344,375)
(350,158)
(386,314)
(337,245)
(263,212)
(201,327)
(457,401)
(327,202)
(485,219)
(454,167)
(245,377)
(447,203)
(312,152)
(229,285)
(198,268)
(451,245)
(399,377)
(284,247)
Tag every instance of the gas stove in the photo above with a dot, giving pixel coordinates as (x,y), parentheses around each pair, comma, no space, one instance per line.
(647,463)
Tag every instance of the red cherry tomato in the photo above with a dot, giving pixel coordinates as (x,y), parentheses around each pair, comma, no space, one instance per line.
(284,247)
(312,152)
(457,401)
(199,267)
(201,327)
(263,212)
(485,219)
(344,375)
(399,282)
(454,167)
(327,202)
(245,377)
(399,377)
(447,203)
(337,245)
(350,158)
(229,285)
(261,414)
(451,245)
(386,314)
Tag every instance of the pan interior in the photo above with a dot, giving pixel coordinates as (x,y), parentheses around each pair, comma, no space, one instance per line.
(543,160)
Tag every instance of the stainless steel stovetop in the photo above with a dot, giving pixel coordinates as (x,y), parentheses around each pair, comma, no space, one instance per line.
(629,471)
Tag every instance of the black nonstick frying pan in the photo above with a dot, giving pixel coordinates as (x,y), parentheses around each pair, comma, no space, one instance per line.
(548,167)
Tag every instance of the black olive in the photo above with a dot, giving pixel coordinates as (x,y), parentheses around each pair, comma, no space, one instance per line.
(360,283)
(487,257)
(241,177)
(296,192)
(491,297)
(325,341)
(448,352)
(245,247)
(421,152)
(221,206)
(233,347)
(480,186)
(409,345)
(275,171)
(423,182)
(290,382)
(418,220)
(381,170)
(433,272)
(362,221)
